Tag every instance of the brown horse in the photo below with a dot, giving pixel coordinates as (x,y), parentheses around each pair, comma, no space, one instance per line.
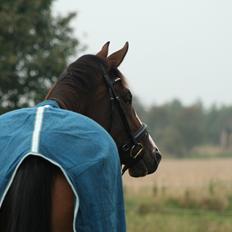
(93,86)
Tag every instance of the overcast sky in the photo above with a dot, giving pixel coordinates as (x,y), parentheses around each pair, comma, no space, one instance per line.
(178,48)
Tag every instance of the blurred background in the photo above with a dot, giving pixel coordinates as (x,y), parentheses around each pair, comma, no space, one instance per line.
(179,70)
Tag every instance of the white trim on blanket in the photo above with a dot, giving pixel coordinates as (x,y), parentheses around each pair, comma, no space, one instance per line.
(34,152)
(37,128)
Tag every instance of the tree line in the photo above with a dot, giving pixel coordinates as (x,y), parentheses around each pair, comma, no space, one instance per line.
(178,129)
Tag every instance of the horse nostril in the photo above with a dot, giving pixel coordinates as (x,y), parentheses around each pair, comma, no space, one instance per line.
(157,155)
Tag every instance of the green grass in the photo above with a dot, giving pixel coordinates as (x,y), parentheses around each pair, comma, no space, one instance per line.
(144,216)
(178,222)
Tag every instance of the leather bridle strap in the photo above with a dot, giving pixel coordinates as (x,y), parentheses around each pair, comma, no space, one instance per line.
(133,146)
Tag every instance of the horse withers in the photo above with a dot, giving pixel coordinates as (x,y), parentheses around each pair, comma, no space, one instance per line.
(60,169)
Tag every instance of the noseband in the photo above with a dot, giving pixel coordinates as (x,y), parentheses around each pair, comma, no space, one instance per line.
(133,147)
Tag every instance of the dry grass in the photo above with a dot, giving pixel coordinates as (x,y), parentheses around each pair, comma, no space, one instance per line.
(179,175)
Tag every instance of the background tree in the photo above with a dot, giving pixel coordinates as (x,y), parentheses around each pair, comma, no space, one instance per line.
(180,129)
(34,48)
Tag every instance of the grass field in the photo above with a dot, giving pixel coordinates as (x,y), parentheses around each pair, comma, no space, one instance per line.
(183,196)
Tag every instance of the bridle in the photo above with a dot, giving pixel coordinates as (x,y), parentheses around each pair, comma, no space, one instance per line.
(133,147)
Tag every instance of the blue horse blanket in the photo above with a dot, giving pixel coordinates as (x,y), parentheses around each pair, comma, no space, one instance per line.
(82,149)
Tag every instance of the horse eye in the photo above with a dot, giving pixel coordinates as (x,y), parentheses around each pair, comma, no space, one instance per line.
(114,73)
(128,98)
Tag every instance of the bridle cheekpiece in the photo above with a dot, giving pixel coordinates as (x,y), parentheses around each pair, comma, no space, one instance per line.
(134,147)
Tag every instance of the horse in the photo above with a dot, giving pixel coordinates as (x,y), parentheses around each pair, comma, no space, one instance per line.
(94,87)
(107,95)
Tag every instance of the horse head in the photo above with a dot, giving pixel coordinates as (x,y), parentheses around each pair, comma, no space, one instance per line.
(94,87)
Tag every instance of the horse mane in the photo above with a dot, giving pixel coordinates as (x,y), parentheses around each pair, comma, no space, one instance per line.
(88,67)
(80,80)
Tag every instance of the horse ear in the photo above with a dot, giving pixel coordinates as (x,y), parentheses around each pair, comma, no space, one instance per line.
(104,51)
(115,59)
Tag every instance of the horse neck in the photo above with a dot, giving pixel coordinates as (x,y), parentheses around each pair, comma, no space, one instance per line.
(66,97)
(91,102)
